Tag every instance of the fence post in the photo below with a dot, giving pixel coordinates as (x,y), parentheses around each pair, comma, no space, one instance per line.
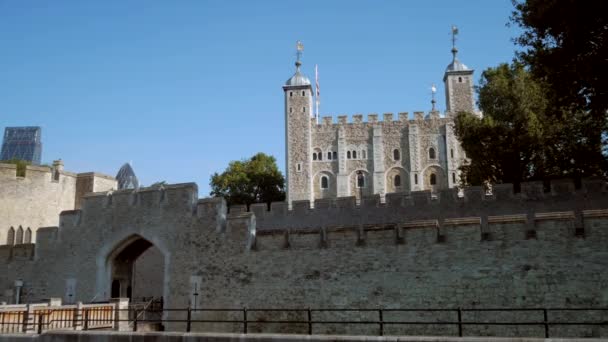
(309,322)
(460,322)
(244,320)
(545,319)
(189,323)
(381,322)
(121,313)
(135,320)
(40,321)
(86,319)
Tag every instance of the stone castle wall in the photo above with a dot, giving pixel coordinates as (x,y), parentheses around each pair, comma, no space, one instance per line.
(36,199)
(531,249)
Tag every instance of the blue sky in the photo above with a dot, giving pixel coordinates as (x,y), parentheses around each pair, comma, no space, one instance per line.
(180,88)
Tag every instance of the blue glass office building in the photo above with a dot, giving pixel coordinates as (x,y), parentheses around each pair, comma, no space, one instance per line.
(22,143)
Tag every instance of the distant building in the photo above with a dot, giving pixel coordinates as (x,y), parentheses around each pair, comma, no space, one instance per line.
(126,178)
(22,143)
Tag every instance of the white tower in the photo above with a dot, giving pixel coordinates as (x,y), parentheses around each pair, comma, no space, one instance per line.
(298,121)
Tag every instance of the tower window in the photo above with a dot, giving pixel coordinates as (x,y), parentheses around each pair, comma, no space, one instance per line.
(397,180)
(415,179)
(290,109)
(290,93)
(396,154)
(453,177)
(314,156)
(431,153)
(347,154)
(459,79)
(354,154)
(363,154)
(320,155)
(433,179)
(328,155)
(324,182)
(335,155)
(303,93)
(299,167)
(304,109)
(452,152)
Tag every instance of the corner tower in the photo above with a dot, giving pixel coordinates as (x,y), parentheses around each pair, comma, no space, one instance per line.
(458,80)
(298,121)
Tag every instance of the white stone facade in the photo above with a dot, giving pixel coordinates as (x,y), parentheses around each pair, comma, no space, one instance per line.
(396,154)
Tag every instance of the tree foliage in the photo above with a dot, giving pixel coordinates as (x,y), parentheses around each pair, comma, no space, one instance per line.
(255,180)
(505,145)
(566,47)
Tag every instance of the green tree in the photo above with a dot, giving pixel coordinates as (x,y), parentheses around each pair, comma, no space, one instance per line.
(566,47)
(255,180)
(506,143)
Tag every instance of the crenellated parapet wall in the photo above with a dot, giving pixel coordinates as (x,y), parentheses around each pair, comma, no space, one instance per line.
(375,119)
(446,205)
(36,198)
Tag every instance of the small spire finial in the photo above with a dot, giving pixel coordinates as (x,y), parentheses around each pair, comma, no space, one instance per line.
(454,34)
(433,91)
(299,49)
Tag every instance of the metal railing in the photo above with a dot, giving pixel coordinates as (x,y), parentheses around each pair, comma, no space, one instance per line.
(460,321)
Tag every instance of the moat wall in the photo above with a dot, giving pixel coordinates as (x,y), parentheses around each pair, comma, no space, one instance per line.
(527,250)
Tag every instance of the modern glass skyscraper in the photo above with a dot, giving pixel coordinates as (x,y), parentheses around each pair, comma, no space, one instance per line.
(22,143)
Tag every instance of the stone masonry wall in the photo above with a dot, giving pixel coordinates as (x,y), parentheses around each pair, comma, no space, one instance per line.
(527,250)
(37,199)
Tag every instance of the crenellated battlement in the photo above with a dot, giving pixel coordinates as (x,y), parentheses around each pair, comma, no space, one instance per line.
(373,119)
(33,173)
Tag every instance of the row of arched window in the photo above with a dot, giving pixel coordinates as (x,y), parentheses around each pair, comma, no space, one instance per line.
(317,155)
(353,154)
(18,237)
(396,180)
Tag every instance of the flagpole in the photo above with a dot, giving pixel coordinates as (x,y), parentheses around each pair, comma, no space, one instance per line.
(317,92)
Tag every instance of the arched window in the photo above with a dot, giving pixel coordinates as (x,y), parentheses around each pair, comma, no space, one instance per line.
(290,93)
(459,79)
(320,155)
(431,153)
(335,155)
(303,93)
(433,179)
(303,109)
(453,177)
(19,236)
(354,154)
(28,236)
(324,182)
(452,152)
(397,180)
(299,167)
(347,154)
(328,155)
(10,237)
(360,180)
(415,179)
(396,154)
(314,156)
(290,109)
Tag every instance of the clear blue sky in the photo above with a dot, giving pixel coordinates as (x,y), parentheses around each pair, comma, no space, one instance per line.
(180,88)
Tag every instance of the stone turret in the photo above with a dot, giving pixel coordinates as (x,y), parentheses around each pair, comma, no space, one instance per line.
(458,79)
(298,110)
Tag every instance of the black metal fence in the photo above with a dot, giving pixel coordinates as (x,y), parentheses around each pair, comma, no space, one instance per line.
(461,322)
(540,318)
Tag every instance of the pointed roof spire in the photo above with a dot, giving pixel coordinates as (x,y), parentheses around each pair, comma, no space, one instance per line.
(298,79)
(456,65)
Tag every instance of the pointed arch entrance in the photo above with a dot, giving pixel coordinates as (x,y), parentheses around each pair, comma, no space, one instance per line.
(136,270)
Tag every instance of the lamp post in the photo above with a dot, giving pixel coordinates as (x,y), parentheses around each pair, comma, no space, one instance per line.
(18,286)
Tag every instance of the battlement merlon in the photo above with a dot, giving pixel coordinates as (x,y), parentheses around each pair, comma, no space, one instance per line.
(372,119)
